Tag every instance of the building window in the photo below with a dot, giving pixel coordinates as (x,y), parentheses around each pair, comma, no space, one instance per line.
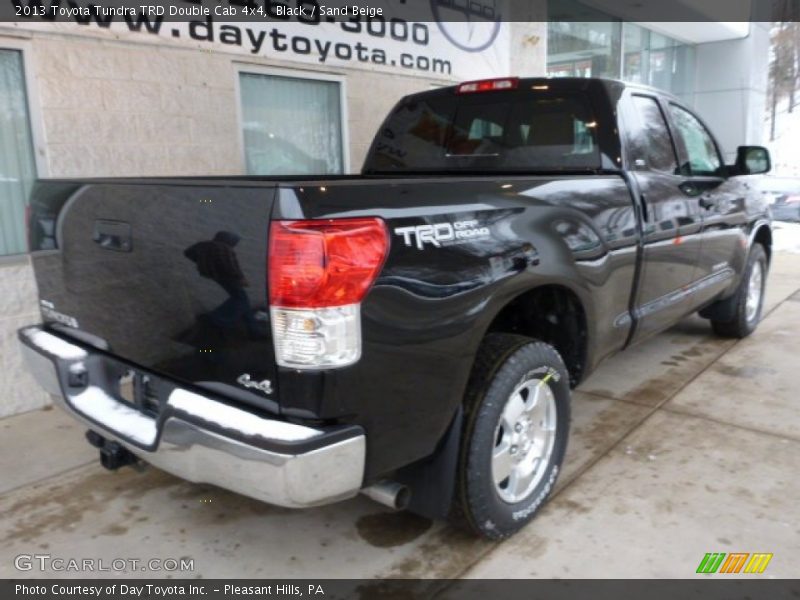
(657,60)
(583,49)
(603,46)
(17,167)
(291,126)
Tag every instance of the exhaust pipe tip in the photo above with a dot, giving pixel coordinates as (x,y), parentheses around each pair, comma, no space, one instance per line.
(389,493)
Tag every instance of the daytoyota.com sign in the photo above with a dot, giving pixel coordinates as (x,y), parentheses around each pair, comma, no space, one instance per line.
(440,37)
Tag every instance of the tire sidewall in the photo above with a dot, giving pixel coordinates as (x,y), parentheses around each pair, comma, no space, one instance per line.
(757,255)
(490,514)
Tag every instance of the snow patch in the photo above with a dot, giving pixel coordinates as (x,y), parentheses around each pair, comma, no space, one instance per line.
(786,237)
(783,149)
(54,345)
(239,420)
(96,404)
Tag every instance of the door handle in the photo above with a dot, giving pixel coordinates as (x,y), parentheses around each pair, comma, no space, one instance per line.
(112,235)
(707,202)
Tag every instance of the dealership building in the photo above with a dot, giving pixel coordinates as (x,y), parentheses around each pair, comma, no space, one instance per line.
(274,97)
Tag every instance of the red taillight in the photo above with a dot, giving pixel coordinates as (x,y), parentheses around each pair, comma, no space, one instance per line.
(488,85)
(324,263)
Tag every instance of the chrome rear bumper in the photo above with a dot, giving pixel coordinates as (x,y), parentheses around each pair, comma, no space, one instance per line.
(201,438)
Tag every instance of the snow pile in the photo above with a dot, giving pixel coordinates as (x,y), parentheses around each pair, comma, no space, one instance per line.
(53,345)
(236,419)
(99,406)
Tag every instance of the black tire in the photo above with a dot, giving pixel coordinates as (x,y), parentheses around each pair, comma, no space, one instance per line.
(505,362)
(740,326)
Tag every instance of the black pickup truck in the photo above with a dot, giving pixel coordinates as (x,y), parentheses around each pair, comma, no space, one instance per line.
(412,332)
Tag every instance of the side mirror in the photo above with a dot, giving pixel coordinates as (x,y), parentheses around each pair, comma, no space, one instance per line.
(752,160)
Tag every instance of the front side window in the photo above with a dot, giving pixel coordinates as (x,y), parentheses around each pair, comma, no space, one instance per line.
(291,126)
(17,169)
(700,148)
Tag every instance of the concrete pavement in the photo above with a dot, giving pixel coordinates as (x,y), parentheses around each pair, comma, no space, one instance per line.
(685,445)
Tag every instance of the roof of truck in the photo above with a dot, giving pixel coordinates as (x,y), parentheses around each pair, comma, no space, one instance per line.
(578,81)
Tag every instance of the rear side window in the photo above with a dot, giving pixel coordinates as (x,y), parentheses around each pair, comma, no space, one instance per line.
(503,131)
(700,148)
(651,141)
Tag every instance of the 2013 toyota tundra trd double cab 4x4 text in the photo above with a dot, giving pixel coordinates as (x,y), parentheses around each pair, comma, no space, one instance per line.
(412,332)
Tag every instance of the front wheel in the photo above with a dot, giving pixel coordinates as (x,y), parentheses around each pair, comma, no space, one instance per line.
(748,301)
(515,436)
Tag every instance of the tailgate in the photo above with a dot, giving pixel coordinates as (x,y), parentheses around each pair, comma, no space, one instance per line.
(169,276)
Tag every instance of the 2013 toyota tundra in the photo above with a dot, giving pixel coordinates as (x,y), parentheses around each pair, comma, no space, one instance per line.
(412,332)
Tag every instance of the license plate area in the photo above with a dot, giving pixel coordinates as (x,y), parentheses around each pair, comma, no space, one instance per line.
(138,390)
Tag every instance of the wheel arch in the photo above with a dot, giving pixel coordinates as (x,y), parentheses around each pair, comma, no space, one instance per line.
(762,234)
(552,313)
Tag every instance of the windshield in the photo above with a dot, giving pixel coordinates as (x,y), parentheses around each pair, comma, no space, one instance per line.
(497,131)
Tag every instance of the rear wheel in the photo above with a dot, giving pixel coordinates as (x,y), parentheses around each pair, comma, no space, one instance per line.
(748,301)
(515,437)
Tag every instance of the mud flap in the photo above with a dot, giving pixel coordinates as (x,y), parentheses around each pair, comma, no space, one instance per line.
(432,480)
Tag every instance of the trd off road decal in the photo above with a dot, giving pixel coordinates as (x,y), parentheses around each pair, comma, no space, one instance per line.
(442,234)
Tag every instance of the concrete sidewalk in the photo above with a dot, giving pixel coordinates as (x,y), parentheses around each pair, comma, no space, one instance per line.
(685,445)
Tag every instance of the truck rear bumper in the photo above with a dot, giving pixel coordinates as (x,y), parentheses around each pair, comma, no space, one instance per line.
(198,437)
